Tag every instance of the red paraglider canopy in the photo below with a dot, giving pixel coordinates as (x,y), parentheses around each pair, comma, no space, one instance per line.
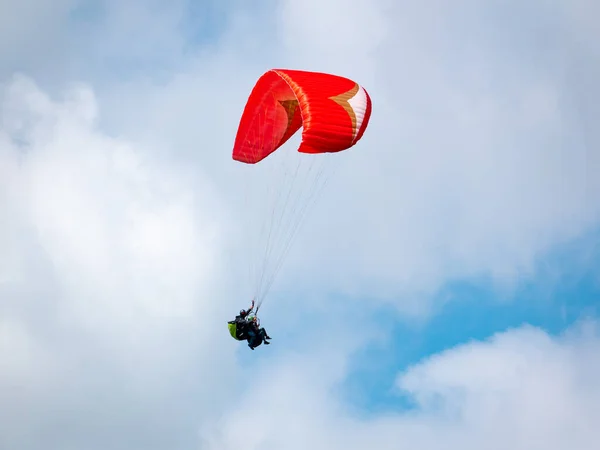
(334,112)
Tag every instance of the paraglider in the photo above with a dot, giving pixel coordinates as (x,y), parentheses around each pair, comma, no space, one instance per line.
(246,326)
(334,113)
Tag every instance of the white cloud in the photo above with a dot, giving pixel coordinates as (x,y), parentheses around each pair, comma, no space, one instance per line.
(95,201)
(109,260)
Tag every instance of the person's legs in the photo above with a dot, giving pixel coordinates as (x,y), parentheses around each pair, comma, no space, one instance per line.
(251,339)
(264,336)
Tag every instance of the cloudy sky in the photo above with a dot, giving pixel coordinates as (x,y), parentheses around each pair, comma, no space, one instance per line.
(443,292)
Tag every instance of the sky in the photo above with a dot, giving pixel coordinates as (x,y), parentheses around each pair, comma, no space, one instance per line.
(442,293)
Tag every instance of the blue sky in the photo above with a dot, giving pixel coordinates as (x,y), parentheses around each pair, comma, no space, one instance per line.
(476,311)
(444,290)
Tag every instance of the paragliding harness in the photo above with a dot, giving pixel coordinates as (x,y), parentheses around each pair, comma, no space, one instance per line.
(238,328)
(248,329)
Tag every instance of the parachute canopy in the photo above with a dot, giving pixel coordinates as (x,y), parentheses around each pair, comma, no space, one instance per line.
(333,111)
